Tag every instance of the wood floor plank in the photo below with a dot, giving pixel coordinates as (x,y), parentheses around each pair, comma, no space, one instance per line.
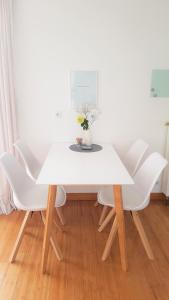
(82,275)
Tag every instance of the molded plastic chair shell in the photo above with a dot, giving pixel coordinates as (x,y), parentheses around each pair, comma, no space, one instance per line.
(27,195)
(136,197)
(31,164)
(134,156)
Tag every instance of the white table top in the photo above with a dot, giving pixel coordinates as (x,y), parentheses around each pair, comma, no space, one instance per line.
(66,167)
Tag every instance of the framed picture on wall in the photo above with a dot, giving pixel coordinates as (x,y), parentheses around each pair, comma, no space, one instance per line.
(84,87)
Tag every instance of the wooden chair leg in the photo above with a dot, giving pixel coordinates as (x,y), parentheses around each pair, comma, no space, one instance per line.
(96,203)
(142,234)
(107,220)
(20,237)
(54,221)
(60,215)
(54,244)
(56,248)
(110,240)
(58,226)
(103,214)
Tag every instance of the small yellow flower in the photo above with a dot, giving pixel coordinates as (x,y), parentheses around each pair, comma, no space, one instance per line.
(80,119)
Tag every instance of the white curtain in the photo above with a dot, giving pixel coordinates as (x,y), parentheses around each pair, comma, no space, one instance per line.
(7,98)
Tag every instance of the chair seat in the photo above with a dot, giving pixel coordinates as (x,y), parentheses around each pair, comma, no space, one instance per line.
(35,198)
(132,198)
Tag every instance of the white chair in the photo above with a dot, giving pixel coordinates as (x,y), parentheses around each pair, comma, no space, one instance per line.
(135,198)
(134,155)
(28,196)
(132,161)
(32,167)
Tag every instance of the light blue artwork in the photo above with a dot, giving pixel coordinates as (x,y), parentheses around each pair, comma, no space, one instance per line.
(160,83)
(84,89)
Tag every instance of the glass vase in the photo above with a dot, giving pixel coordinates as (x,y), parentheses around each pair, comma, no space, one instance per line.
(87,137)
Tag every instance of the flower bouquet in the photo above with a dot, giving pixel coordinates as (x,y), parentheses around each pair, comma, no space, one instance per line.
(86,118)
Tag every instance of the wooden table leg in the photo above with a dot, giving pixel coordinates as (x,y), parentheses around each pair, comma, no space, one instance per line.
(121,225)
(48,225)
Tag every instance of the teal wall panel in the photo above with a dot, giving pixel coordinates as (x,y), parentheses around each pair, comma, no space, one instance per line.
(160,83)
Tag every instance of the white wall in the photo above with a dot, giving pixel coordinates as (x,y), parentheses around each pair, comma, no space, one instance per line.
(124,40)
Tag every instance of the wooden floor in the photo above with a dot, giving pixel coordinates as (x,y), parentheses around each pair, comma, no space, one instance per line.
(82,275)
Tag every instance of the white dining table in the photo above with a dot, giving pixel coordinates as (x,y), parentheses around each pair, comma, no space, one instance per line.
(68,168)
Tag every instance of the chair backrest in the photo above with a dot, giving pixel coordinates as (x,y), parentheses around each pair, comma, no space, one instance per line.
(16,175)
(30,162)
(147,175)
(134,156)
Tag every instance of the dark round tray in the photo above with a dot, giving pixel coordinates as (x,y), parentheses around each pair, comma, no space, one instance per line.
(77,148)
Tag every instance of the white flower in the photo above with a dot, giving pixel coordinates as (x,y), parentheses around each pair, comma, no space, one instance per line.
(88,113)
(92,115)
